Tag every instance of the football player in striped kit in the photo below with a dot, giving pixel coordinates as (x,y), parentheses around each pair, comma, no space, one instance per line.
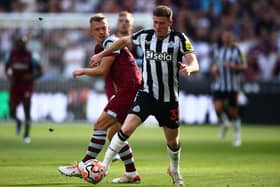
(163,50)
(227,64)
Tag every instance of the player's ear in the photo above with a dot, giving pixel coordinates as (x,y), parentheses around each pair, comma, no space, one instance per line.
(170,22)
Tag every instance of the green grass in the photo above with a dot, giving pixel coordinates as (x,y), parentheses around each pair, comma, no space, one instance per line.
(205,160)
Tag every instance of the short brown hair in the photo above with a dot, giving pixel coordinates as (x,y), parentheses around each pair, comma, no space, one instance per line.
(97,17)
(163,11)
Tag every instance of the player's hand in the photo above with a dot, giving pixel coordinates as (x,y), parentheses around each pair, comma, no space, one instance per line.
(94,60)
(185,69)
(214,72)
(77,73)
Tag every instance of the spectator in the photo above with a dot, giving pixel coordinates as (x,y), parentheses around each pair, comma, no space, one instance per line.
(263,58)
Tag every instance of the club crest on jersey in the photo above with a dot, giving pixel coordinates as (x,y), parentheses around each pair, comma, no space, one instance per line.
(136,108)
(171,45)
(152,55)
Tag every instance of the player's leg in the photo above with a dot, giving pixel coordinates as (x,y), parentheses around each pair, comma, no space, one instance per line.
(96,144)
(118,141)
(236,124)
(122,103)
(232,111)
(126,155)
(132,121)
(111,131)
(99,135)
(127,158)
(27,115)
(168,116)
(14,101)
(174,153)
(219,99)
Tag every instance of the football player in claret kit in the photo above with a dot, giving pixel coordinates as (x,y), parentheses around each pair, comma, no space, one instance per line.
(22,69)
(121,67)
(124,28)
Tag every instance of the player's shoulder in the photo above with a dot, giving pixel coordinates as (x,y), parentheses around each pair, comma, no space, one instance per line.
(216,46)
(235,46)
(108,41)
(181,35)
(35,57)
(144,31)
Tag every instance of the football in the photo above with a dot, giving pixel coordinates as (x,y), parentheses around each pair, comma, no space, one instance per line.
(93,171)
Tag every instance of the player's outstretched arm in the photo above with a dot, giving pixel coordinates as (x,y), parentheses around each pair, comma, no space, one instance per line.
(119,44)
(192,66)
(86,71)
(78,72)
(101,70)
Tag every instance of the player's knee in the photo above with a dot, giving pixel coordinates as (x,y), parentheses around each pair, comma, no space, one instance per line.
(100,126)
(127,131)
(103,124)
(173,144)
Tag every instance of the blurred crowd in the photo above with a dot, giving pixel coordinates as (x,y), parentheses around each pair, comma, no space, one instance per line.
(256,25)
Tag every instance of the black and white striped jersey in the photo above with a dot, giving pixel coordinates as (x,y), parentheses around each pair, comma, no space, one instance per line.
(160,70)
(227,80)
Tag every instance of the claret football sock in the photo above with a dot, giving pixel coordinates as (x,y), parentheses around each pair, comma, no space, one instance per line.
(96,144)
(27,128)
(127,158)
(18,127)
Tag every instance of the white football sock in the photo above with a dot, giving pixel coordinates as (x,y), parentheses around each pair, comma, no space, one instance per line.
(174,159)
(115,146)
(237,132)
(237,125)
(131,174)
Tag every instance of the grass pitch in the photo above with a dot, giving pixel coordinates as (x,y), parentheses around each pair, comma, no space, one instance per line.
(205,160)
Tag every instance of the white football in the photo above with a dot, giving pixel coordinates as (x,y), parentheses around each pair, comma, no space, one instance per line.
(93,171)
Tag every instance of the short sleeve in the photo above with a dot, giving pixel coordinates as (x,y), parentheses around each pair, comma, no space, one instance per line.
(108,42)
(136,37)
(185,44)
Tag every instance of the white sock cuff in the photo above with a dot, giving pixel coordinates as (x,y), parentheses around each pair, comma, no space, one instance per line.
(131,174)
(174,155)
